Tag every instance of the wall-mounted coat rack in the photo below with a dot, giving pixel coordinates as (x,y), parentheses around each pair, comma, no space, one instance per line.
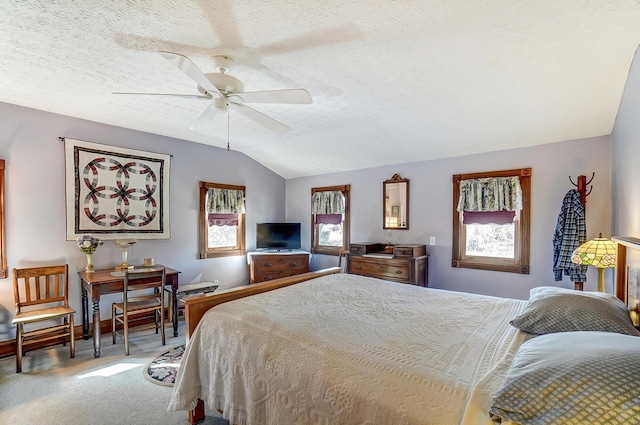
(581,186)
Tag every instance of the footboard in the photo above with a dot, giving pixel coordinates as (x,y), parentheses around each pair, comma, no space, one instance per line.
(196,307)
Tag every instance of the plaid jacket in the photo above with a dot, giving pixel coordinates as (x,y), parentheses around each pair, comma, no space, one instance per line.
(571,232)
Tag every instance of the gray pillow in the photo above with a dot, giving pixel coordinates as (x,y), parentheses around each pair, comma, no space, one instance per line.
(573,378)
(552,309)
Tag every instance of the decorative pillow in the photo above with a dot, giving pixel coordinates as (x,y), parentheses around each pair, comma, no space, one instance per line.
(552,309)
(573,378)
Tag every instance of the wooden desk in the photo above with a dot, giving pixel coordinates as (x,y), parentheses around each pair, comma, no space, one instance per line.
(103,282)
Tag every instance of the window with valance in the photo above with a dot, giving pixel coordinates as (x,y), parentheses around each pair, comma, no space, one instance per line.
(330,219)
(490,200)
(491,220)
(222,228)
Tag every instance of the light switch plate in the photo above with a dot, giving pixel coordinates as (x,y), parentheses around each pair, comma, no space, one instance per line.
(432,240)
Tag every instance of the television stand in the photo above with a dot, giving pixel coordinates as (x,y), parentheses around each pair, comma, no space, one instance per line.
(265,266)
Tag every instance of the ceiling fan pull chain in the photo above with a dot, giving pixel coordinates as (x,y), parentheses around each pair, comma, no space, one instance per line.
(228,126)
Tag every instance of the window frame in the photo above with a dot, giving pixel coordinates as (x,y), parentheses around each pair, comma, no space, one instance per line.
(520,262)
(203,229)
(331,250)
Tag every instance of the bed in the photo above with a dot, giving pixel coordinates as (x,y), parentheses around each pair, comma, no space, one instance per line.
(332,348)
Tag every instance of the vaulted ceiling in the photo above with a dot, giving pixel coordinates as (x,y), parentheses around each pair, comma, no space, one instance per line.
(392,81)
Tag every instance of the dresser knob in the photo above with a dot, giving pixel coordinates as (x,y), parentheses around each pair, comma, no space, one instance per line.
(398,271)
(294,264)
(358,267)
(268,264)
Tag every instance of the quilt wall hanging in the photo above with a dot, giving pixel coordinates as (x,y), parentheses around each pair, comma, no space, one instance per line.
(116,193)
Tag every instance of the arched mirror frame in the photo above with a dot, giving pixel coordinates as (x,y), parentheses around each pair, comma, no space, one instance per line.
(395,206)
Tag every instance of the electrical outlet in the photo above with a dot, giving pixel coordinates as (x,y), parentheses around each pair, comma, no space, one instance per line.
(215,281)
(432,240)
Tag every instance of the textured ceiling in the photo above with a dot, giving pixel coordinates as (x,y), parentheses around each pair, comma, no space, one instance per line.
(392,81)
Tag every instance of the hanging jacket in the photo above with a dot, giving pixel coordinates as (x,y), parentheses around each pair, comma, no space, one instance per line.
(571,232)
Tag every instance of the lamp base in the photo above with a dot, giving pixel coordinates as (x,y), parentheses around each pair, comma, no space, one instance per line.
(600,287)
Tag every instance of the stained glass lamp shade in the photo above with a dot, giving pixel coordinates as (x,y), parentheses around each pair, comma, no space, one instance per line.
(599,252)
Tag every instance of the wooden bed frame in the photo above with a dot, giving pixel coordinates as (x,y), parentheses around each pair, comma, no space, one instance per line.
(196,307)
(627,272)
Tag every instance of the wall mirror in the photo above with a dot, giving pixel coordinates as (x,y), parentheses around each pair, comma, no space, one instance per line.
(395,199)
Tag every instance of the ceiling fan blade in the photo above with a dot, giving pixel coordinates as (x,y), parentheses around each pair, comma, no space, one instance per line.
(190,96)
(205,119)
(337,34)
(185,65)
(291,96)
(262,119)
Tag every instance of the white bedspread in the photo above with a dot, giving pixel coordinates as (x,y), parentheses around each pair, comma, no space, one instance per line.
(345,349)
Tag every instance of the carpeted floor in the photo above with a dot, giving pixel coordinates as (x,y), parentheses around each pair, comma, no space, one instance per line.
(112,390)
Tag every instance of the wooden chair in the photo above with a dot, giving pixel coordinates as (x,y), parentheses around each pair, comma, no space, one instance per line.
(41,294)
(137,300)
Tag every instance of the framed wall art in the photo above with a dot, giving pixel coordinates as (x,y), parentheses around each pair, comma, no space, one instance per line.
(116,193)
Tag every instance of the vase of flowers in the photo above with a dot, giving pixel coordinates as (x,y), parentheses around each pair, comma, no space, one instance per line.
(88,245)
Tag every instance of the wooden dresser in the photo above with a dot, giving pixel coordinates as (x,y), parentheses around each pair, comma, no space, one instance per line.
(269,266)
(402,267)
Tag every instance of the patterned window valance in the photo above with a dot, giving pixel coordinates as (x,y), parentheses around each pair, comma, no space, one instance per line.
(329,202)
(223,219)
(328,218)
(225,201)
(490,194)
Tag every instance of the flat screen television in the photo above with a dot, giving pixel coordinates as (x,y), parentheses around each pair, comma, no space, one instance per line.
(278,236)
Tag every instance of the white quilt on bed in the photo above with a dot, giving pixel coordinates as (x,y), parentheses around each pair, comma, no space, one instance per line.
(345,349)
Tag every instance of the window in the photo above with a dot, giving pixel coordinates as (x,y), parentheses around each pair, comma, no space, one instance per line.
(222,220)
(491,220)
(329,219)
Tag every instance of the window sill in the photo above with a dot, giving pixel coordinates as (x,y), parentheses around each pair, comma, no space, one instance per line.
(217,254)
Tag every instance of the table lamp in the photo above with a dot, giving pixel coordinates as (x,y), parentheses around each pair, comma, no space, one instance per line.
(124,244)
(599,252)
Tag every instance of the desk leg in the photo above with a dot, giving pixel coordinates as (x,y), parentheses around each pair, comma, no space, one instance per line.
(96,328)
(85,314)
(174,310)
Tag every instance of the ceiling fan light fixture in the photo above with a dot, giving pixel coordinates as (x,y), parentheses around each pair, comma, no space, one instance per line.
(221,104)
(222,63)
(226,92)
(225,82)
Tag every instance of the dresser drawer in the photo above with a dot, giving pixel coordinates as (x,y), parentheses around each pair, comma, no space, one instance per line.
(364,247)
(265,267)
(409,250)
(390,270)
(265,275)
(299,263)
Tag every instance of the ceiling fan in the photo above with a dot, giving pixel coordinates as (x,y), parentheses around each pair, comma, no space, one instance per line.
(226,91)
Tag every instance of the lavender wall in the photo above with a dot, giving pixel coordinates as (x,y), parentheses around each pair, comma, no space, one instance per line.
(431,209)
(35,201)
(626,155)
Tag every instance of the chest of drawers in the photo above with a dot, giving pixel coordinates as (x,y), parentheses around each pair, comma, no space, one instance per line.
(412,270)
(264,267)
